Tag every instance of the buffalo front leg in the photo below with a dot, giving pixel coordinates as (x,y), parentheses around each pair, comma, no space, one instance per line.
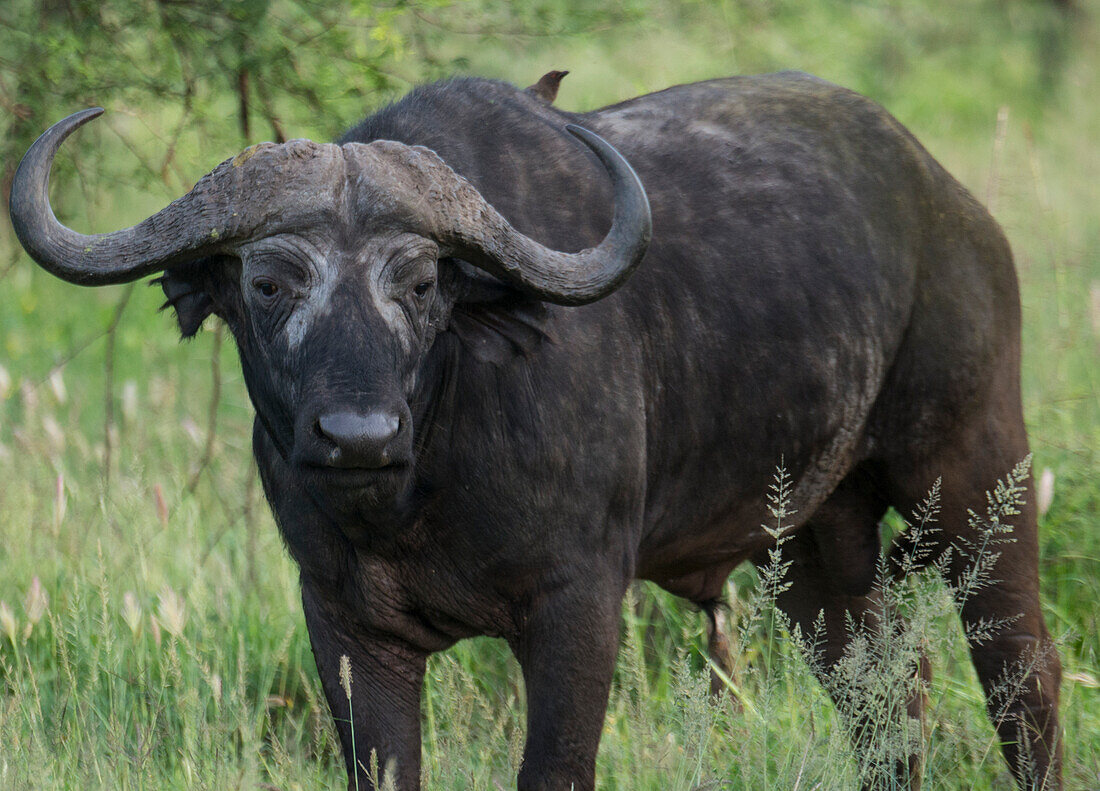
(567,649)
(382,713)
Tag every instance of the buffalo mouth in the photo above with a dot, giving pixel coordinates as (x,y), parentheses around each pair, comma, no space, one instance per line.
(350,494)
(352,478)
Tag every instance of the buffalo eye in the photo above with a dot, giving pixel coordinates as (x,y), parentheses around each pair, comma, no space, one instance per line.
(420,291)
(267,288)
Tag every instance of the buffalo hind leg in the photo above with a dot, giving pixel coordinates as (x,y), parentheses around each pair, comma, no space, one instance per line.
(718,648)
(1010,647)
(885,733)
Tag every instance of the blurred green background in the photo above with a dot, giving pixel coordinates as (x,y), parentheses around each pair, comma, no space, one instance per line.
(150,630)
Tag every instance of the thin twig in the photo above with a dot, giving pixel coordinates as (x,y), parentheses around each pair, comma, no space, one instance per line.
(999,135)
(521,32)
(170,154)
(109,384)
(250,521)
(1044,227)
(145,162)
(9,267)
(71,355)
(269,111)
(212,410)
(243,118)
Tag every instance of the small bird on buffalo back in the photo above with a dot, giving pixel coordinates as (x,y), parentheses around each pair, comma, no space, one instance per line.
(547,86)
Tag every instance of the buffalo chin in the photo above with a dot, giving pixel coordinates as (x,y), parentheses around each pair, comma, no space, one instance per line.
(350,495)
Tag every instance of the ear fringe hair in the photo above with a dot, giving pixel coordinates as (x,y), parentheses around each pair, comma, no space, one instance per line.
(192,305)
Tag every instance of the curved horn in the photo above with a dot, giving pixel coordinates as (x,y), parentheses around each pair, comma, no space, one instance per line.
(210,218)
(492,244)
(276,178)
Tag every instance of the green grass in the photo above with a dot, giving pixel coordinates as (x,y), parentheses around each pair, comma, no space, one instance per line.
(172,652)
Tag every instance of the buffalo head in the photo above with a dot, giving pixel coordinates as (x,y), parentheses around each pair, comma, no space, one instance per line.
(335,266)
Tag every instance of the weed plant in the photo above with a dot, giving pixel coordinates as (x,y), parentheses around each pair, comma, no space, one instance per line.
(730,741)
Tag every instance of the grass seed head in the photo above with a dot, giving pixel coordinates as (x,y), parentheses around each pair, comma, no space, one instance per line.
(1044,492)
(1094,306)
(55,435)
(60,502)
(129,400)
(191,428)
(57,385)
(8,623)
(36,602)
(171,611)
(161,504)
(29,397)
(131,612)
(345,674)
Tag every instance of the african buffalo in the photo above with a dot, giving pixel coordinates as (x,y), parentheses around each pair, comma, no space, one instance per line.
(464,431)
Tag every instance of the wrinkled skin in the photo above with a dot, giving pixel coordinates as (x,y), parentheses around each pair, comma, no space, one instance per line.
(817,289)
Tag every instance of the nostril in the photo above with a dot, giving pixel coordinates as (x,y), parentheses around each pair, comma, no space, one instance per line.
(359,439)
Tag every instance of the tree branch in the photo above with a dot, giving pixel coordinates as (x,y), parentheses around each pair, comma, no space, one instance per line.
(109,384)
(212,409)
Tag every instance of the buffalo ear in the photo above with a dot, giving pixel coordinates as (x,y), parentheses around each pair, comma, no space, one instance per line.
(188,297)
(493,321)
